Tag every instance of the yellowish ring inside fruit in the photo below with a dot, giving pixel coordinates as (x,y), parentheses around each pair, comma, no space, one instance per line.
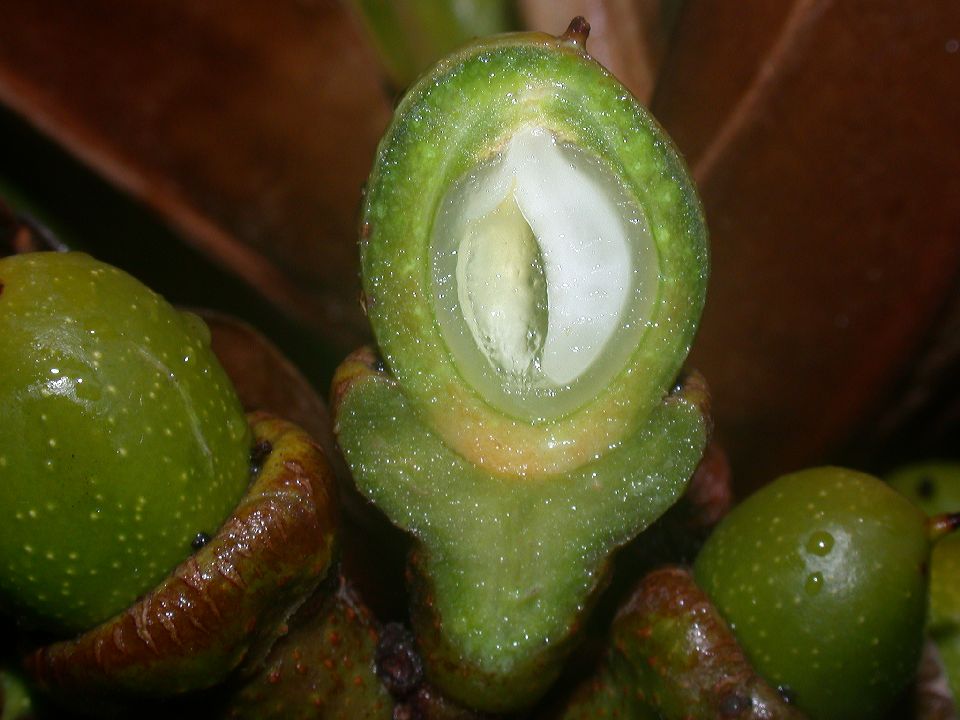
(544,275)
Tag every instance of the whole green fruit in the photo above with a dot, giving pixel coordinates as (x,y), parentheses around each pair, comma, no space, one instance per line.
(822,576)
(122,439)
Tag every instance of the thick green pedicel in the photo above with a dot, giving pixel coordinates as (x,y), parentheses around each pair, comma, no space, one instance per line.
(507,566)
(122,439)
(935,487)
(822,576)
(534,265)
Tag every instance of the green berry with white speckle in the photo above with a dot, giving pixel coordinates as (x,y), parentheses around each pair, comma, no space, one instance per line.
(822,576)
(122,439)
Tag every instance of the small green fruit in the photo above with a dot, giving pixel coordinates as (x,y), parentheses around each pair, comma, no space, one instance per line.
(821,575)
(122,439)
(935,487)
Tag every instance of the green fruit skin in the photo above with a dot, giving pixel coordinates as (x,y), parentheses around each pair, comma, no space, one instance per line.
(15,700)
(821,574)
(935,488)
(944,618)
(122,439)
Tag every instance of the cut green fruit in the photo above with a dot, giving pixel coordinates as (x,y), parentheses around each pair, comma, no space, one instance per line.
(123,440)
(534,255)
(534,265)
(822,576)
(935,487)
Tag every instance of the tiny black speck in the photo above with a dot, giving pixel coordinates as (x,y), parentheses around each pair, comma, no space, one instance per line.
(786,694)
(733,705)
(379,365)
(926,487)
(258,454)
(200,540)
(677,386)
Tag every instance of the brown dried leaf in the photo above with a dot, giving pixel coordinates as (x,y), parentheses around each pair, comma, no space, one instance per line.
(823,136)
(249,126)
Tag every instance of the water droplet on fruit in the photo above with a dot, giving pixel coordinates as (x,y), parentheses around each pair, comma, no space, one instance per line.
(814,584)
(820,543)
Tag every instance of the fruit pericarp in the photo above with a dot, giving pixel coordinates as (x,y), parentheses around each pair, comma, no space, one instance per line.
(462,120)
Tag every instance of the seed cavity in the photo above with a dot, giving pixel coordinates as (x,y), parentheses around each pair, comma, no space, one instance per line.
(544,274)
